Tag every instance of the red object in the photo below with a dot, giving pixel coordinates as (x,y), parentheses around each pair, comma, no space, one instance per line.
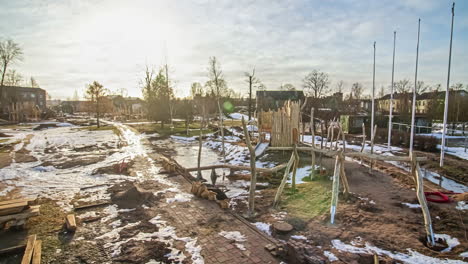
(442,198)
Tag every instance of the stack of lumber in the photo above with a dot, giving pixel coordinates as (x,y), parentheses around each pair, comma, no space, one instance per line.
(17,211)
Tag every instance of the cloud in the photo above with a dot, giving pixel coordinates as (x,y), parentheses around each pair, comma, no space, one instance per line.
(68,44)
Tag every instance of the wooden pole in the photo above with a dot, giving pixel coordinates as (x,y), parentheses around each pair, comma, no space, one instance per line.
(296,164)
(372,146)
(343,177)
(373,95)
(335,189)
(413,113)
(391,96)
(442,148)
(283,181)
(418,175)
(253,178)
(312,132)
(199,173)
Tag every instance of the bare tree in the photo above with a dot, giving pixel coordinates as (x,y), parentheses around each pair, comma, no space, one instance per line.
(216,77)
(252,81)
(287,87)
(316,83)
(10,52)
(356,90)
(96,93)
(339,86)
(457,86)
(403,86)
(421,87)
(13,78)
(382,91)
(34,83)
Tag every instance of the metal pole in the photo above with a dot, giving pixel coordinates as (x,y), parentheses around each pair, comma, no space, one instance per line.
(444,129)
(391,95)
(373,95)
(413,114)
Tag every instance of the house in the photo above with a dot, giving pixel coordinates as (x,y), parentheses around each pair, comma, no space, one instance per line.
(22,103)
(272,100)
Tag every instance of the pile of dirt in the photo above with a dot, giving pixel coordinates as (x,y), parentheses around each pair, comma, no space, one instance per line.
(121,168)
(135,251)
(131,197)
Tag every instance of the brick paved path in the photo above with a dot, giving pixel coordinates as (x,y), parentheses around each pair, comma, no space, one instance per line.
(205,219)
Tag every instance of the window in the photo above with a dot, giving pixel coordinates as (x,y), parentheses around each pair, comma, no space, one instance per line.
(33,95)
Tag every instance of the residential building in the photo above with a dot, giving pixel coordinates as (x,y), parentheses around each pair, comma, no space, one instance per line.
(22,103)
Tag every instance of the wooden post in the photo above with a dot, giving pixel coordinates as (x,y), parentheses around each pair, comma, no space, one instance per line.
(253,178)
(372,146)
(343,177)
(70,222)
(335,189)
(321,146)
(418,175)
(199,173)
(363,137)
(312,132)
(283,181)
(296,164)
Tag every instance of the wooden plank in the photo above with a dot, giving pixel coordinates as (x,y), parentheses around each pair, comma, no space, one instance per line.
(28,200)
(36,259)
(9,250)
(28,252)
(32,211)
(13,208)
(90,205)
(70,222)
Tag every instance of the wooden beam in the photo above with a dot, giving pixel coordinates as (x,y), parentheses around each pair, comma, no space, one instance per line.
(283,182)
(28,252)
(28,200)
(237,167)
(32,211)
(253,178)
(90,205)
(8,250)
(36,259)
(332,153)
(70,222)
(13,208)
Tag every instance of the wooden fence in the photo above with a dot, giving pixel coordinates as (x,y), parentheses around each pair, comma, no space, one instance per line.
(281,123)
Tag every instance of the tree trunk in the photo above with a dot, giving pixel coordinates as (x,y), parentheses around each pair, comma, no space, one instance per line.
(250,97)
(253,178)
(97,112)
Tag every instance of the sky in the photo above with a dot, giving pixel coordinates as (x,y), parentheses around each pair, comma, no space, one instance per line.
(69,44)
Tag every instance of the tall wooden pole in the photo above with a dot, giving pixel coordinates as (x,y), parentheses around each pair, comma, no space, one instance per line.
(373,95)
(253,173)
(442,148)
(413,113)
(391,95)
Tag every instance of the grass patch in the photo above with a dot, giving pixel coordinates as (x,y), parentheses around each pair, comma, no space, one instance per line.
(3,140)
(309,200)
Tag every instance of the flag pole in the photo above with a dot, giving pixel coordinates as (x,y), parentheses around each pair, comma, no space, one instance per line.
(391,95)
(373,96)
(413,114)
(442,148)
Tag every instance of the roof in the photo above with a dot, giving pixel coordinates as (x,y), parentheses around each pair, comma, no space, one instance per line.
(23,89)
(281,95)
(424,96)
